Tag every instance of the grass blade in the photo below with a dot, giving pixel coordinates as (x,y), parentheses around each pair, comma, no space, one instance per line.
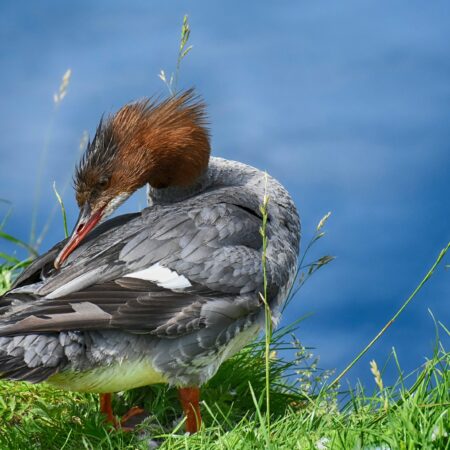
(391,321)
(63,210)
(8,212)
(10,259)
(18,242)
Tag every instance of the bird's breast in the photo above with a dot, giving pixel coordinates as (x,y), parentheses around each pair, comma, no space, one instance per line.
(119,376)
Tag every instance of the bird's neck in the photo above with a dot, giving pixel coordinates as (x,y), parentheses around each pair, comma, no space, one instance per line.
(174,194)
(222,173)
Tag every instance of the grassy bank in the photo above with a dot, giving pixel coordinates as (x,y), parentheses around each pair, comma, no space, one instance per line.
(306,410)
(396,417)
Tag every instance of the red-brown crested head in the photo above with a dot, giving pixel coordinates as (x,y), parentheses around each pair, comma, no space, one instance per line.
(162,143)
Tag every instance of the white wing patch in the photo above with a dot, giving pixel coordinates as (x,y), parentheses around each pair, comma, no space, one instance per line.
(162,276)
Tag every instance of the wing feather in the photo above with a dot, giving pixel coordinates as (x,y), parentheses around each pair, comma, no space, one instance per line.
(217,248)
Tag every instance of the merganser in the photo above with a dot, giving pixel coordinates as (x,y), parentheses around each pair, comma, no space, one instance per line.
(164,295)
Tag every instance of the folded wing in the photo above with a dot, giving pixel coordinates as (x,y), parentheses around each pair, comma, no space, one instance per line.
(208,261)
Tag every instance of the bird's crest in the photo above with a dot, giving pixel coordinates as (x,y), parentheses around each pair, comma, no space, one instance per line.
(161,142)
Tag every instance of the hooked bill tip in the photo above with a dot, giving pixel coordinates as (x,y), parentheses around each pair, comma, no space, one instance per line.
(82,229)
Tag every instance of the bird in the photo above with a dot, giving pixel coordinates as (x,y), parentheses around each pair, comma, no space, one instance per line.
(162,295)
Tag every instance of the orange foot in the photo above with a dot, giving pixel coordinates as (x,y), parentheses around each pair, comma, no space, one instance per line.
(128,422)
(190,401)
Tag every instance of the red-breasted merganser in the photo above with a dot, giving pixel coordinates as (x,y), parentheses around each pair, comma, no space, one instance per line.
(160,296)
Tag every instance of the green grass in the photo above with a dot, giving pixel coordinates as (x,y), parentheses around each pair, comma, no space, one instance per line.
(39,417)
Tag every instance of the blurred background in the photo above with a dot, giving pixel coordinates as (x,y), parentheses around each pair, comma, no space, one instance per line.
(347,104)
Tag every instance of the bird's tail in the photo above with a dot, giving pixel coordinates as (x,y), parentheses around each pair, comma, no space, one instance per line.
(33,357)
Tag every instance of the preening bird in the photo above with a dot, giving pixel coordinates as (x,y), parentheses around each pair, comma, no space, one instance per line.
(164,295)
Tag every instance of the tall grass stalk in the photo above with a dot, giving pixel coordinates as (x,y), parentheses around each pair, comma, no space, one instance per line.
(18,242)
(306,270)
(268,313)
(81,147)
(57,99)
(394,317)
(63,210)
(183,50)
(7,214)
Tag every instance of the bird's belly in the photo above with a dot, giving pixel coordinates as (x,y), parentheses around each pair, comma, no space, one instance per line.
(113,378)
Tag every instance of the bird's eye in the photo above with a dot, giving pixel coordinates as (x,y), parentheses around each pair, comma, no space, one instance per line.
(103,182)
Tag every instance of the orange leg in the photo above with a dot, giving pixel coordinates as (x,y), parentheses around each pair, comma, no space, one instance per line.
(107,410)
(189,398)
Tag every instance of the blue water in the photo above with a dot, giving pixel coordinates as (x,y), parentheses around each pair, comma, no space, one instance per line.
(347,104)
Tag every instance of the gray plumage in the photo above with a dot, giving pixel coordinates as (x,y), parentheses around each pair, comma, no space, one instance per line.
(92,314)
